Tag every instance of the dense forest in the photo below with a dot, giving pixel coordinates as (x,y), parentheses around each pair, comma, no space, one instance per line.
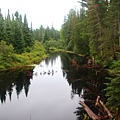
(93,30)
(21,45)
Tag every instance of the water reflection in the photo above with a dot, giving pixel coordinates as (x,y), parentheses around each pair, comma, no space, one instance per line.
(87,83)
(47,78)
(18,78)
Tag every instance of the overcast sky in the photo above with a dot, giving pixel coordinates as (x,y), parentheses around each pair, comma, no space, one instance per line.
(40,12)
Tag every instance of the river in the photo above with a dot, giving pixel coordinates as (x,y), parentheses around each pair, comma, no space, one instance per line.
(49,91)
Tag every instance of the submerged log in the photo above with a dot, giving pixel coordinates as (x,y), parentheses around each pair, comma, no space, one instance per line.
(90,112)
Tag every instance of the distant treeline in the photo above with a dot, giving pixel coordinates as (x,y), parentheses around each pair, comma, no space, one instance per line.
(43,34)
(15,31)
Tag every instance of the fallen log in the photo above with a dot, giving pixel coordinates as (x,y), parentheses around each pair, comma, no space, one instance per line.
(90,112)
(100,103)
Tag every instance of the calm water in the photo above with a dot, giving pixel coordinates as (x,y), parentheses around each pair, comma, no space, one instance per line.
(42,93)
(51,90)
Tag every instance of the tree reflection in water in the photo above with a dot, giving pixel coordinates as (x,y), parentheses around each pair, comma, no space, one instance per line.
(18,78)
(87,83)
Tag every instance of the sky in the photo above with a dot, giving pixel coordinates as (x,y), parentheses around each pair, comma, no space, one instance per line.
(40,12)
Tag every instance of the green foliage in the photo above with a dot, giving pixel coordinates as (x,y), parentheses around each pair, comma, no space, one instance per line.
(86,117)
(59,44)
(27,34)
(45,34)
(9,59)
(35,55)
(74,32)
(6,51)
(95,30)
(6,54)
(113,87)
(16,32)
(19,47)
(1,25)
(81,36)
(68,29)
(19,43)
(103,26)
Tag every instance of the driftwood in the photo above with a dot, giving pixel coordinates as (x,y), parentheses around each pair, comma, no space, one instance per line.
(102,107)
(89,111)
(100,103)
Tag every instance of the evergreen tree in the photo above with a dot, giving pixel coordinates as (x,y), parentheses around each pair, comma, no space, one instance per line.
(47,34)
(36,34)
(41,33)
(1,25)
(28,37)
(6,51)
(68,29)
(52,32)
(81,37)
(19,43)
(9,38)
(113,88)
(74,31)
(95,28)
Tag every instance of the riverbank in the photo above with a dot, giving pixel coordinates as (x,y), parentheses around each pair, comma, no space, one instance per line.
(27,62)
(62,50)
(12,60)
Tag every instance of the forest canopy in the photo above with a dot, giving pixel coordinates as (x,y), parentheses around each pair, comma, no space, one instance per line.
(94,29)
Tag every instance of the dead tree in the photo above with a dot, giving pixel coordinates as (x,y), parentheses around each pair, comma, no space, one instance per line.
(90,112)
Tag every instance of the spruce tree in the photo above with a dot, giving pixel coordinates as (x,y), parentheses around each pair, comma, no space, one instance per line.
(41,33)
(28,36)
(9,38)
(19,43)
(113,87)
(81,37)
(1,25)
(47,34)
(68,29)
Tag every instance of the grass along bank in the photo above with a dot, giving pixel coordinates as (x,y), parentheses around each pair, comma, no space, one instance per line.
(9,59)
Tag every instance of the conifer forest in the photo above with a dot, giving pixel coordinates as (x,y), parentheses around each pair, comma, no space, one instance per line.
(94,31)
